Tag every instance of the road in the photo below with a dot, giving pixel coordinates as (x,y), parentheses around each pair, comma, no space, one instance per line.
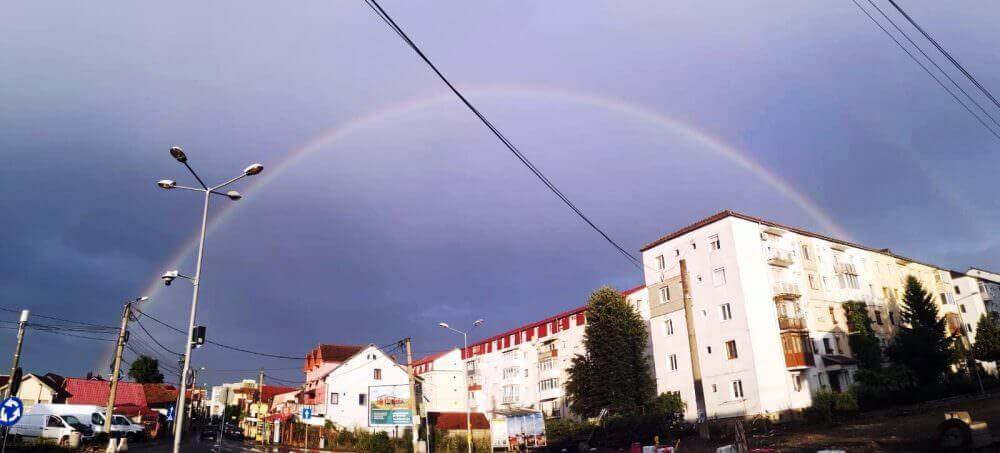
(208,446)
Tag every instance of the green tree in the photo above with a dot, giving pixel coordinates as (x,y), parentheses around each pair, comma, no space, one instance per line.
(987,344)
(864,343)
(921,343)
(614,373)
(146,370)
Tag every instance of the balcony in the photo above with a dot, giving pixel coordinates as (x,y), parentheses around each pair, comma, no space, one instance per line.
(791,323)
(547,353)
(782,258)
(845,268)
(512,400)
(797,350)
(786,291)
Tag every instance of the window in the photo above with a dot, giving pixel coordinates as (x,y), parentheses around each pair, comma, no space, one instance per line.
(833,315)
(677,252)
(694,245)
(827,346)
(673,362)
(362,399)
(727,312)
(840,347)
(545,364)
(737,389)
(664,294)
(548,384)
(731,350)
(813,284)
(377,374)
(797,382)
(719,276)
(968,328)
(709,349)
(715,388)
(958,291)
(334,398)
(878,317)
(54,422)
(714,242)
(661,263)
(510,356)
(668,326)
(805,252)
(511,393)
(892,318)
(511,372)
(812,345)
(944,300)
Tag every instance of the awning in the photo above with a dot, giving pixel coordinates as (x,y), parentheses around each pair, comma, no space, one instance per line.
(834,359)
(278,418)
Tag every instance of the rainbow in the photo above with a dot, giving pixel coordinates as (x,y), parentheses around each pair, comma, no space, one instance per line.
(331,136)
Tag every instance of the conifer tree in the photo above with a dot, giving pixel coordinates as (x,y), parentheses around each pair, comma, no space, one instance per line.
(615,372)
(864,344)
(987,342)
(921,343)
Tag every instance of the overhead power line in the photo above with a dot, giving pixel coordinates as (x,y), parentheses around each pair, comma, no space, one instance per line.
(933,62)
(221,345)
(926,69)
(946,54)
(151,337)
(36,315)
(373,4)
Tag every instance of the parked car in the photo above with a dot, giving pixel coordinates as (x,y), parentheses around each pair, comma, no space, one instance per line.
(209,432)
(233,432)
(45,426)
(92,416)
(131,431)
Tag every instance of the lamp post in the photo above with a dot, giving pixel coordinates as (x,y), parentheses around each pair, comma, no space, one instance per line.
(468,404)
(168,184)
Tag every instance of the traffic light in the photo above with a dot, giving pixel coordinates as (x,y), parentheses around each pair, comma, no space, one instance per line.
(198,336)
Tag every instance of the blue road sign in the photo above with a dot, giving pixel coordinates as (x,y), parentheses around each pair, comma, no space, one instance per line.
(11,410)
(170,414)
(307,413)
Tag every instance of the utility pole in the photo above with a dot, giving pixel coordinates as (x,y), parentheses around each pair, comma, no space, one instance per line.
(414,418)
(260,406)
(122,338)
(17,354)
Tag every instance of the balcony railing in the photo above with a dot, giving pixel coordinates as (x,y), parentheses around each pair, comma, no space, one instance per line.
(785,290)
(781,258)
(791,323)
(799,359)
(547,353)
(845,268)
(511,399)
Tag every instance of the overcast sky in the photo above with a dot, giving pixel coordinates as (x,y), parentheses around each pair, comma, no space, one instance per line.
(386,208)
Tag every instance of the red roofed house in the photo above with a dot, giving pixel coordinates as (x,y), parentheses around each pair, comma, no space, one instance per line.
(318,364)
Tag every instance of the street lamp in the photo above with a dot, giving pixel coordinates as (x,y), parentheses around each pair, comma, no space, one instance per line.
(169,277)
(468,404)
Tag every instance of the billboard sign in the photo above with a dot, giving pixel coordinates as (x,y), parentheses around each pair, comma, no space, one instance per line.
(389,405)
(526,431)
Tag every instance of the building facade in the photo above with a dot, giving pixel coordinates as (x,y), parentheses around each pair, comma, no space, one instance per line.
(526,368)
(346,402)
(441,379)
(746,315)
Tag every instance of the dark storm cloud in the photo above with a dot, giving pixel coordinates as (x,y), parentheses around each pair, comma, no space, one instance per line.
(424,218)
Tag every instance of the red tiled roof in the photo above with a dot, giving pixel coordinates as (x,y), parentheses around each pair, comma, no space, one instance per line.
(84,391)
(633,289)
(271,390)
(456,420)
(429,358)
(159,394)
(337,352)
(727,213)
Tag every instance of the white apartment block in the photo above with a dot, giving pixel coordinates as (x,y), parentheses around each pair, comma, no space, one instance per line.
(441,378)
(526,368)
(762,327)
(989,287)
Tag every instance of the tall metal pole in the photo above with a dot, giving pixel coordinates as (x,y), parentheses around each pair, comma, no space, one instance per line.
(468,402)
(17,351)
(260,406)
(110,409)
(179,423)
(414,435)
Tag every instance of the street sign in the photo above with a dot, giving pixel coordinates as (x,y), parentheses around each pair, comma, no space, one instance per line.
(11,410)
(170,414)
(307,413)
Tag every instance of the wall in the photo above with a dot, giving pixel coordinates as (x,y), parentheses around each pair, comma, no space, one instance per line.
(352,378)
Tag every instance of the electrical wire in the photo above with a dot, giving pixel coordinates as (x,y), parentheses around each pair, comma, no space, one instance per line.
(946,54)
(59,319)
(928,57)
(374,5)
(221,345)
(151,337)
(926,69)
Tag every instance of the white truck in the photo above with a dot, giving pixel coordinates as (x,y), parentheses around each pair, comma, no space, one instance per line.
(93,417)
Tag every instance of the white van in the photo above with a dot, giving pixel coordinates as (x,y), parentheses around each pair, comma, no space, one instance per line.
(92,416)
(57,428)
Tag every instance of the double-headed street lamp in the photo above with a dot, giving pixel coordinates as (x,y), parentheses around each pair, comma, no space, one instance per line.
(468,404)
(169,277)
